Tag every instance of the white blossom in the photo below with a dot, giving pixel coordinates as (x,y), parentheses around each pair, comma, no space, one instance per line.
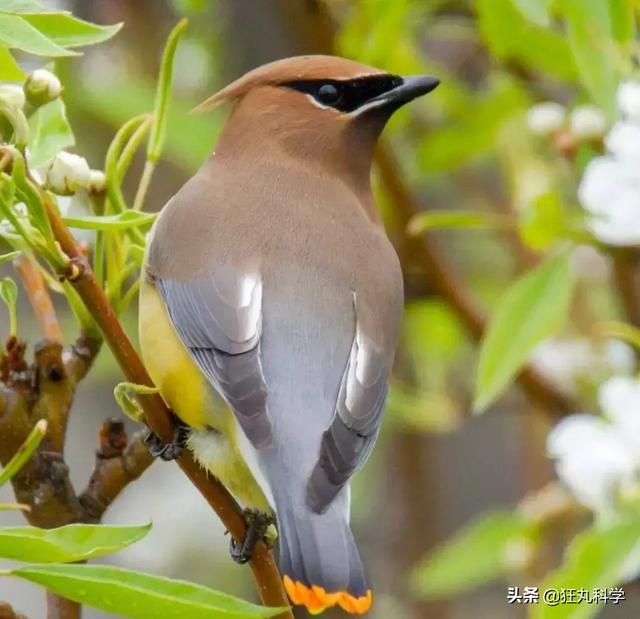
(598,458)
(67,173)
(571,362)
(610,186)
(546,118)
(42,86)
(587,122)
(610,190)
(629,100)
(623,142)
(13,95)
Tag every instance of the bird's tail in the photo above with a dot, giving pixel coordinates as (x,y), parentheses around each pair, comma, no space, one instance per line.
(319,561)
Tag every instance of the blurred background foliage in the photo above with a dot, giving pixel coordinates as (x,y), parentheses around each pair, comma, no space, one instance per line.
(496,197)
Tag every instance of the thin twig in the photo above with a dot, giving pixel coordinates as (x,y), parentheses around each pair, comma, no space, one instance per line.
(117,464)
(157,415)
(39,297)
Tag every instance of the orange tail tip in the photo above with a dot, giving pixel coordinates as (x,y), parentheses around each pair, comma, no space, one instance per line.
(317,599)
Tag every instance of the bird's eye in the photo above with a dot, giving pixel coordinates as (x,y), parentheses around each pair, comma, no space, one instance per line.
(329,94)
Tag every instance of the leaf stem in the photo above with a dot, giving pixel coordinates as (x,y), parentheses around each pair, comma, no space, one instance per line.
(143,187)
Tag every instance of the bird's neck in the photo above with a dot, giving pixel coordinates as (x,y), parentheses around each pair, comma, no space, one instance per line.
(263,140)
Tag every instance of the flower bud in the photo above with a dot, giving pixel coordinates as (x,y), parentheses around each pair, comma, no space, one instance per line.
(13,95)
(41,87)
(588,122)
(97,181)
(629,100)
(67,173)
(546,118)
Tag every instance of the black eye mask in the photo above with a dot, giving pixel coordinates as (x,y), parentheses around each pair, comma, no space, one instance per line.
(346,95)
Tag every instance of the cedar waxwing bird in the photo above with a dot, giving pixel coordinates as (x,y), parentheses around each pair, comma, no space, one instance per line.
(270,309)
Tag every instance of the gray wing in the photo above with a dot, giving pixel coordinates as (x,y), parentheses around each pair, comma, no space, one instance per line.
(219,319)
(348,441)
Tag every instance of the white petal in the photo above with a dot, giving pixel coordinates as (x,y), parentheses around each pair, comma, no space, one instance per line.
(48,79)
(545,118)
(591,459)
(594,476)
(623,141)
(588,122)
(615,232)
(576,433)
(13,95)
(629,100)
(620,357)
(619,398)
(605,182)
(68,172)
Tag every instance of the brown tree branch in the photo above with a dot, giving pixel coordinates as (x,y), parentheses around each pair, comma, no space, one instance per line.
(447,285)
(625,268)
(7,612)
(39,297)
(117,464)
(157,415)
(61,608)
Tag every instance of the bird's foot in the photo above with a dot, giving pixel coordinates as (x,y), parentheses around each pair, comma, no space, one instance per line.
(167,451)
(258,524)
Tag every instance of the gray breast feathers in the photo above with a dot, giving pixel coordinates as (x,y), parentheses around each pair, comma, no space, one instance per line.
(348,441)
(219,319)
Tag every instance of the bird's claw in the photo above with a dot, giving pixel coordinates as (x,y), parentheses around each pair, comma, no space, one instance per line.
(257,526)
(167,451)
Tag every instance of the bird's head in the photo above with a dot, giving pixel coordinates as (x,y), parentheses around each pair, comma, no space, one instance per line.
(316,107)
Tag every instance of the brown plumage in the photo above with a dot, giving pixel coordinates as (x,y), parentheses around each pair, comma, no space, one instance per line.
(273,269)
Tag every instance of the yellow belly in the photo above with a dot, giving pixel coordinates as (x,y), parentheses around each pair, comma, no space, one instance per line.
(187,392)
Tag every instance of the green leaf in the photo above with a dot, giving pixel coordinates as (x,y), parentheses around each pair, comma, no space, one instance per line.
(74,542)
(9,294)
(533,308)
(30,195)
(542,221)
(595,559)
(622,20)
(139,596)
(17,33)
(434,220)
(49,132)
(511,37)
(10,256)
(536,11)
(68,31)
(25,451)
(119,221)
(163,94)
(10,70)
(589,32)
(475,555)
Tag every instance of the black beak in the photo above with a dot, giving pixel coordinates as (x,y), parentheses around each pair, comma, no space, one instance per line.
(412,86)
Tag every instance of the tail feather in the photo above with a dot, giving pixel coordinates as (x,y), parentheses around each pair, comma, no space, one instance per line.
(318,557)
